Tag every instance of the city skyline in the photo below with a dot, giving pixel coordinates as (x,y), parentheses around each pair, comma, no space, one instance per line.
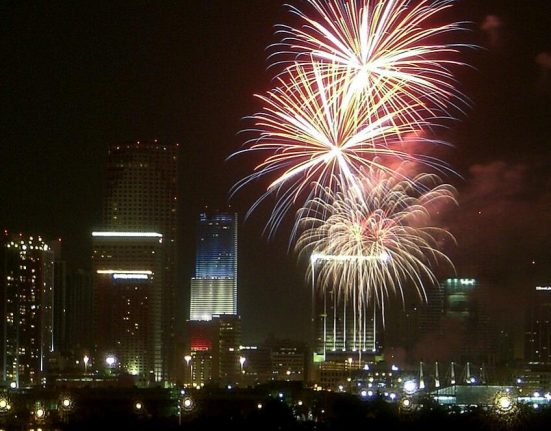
(87,96)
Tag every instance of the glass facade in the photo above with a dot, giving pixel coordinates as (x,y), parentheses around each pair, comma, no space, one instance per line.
(212,297)
(216,246)
(214,287)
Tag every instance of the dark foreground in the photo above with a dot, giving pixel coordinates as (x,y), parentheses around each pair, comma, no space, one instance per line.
(266,408)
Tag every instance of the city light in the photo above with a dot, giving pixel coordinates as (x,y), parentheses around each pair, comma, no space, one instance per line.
(127,234)
(504,403)
(406,405)
(124,271)
(126,276)
(187,404)
(5,406)
(110,360)
(66,403)
(410,386)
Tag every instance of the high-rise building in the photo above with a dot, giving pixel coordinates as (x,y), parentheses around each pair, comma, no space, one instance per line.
(538,328)
(464,305)
(431,311)
(140,216)
(26,295)
(60,306)
(128,290)
(536,367)
(79,315)
(213,350)
(214,328)
(214,287)
(458,301)
(340,325)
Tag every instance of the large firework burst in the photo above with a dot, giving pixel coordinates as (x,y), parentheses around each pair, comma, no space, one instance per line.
(364,75)
(393,49)
(378,242)
(310,131)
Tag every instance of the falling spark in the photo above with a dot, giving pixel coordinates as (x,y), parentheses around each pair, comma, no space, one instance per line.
(377,243)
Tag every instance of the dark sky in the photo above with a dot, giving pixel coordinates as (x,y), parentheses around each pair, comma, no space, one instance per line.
(75,78)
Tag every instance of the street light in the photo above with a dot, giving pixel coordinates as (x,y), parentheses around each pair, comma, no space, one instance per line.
(86,359)
(410,387)
(5,406)
(138,407)
(110,361)
(111,364)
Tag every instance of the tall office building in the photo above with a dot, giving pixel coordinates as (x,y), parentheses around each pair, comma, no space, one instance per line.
(128,292)
(213,347)
(538,328)
(431,311)
(60,306)
(139,217)
(79,315)
(458,301)
(464,304)
(26,296)
(340,328)
(214,287)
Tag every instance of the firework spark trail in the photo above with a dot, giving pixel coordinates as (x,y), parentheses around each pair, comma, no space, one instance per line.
(391,47)
(310,131)
(364,75)
(380,241)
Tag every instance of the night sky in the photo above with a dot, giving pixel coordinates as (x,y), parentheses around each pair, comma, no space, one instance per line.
(75,78)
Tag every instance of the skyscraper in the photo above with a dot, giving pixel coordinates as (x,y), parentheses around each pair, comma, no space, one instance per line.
(128,292)
(139,218)
(79,313)
(340,326)
(214,287)
(214,328)
(538,328)
(464,305)
(26,296)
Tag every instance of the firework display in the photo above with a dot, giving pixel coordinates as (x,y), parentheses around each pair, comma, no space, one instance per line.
(377,242)
(392,48)
(316,133)
(361,83)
